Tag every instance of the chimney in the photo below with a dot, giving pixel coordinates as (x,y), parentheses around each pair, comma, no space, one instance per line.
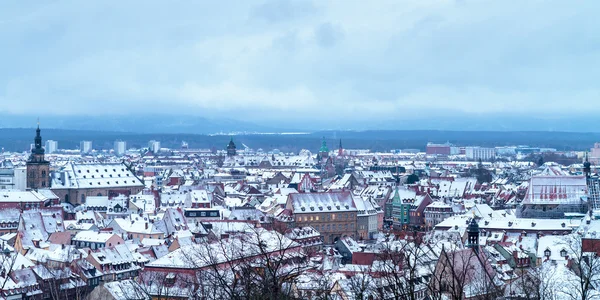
(146,225)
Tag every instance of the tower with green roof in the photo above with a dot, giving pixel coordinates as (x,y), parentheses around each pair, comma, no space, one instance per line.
(324,151)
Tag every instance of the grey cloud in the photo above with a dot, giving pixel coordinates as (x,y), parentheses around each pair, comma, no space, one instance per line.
(300,60)
(274,11)
(328,34)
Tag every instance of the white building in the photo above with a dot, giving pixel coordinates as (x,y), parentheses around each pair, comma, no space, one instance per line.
(20,179)
(506,151)
(51,146)
(12,178)
(482,153)
(85,147)
(154,146)
(120,148)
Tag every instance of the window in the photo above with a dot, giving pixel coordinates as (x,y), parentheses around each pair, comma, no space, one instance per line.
(170,279)
(547,253)
(333,216)
(563,253)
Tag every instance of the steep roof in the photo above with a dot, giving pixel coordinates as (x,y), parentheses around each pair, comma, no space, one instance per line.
(74,176)
(321,202)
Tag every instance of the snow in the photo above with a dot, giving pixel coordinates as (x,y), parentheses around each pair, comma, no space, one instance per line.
(322,202)
(74,175)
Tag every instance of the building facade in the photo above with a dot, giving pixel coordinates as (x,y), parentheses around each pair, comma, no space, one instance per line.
(333,214)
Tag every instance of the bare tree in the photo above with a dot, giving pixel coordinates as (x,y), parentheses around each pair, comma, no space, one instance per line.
(161,286)
(464,273)
(536,283)
(585,263)
(59,279)
(315,285)
(257,264)
(403,268)
(8,259)
(362,285)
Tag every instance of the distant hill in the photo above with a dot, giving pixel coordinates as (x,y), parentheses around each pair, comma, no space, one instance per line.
(137,123)
(19,139)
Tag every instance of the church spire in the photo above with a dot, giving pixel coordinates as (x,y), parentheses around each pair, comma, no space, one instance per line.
(587,166)
(38,141)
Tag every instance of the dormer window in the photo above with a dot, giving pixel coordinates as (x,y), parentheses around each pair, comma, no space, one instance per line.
(170,279)
(547,253)
(563,253)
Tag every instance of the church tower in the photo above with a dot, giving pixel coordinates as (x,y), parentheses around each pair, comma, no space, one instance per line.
(587,167)
(324,151)
(231,149)
(38,169)
(340,150)
(473,235)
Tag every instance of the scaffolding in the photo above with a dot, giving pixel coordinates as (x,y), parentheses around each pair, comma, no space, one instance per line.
(594,193)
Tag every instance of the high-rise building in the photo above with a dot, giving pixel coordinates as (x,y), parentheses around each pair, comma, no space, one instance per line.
(482,153)
(120,148)
(154,146)
(595,154)
(51,146)
(85,147)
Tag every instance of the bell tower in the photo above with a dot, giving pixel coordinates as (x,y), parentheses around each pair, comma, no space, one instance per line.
(473,235)
(231,149)
(38,169)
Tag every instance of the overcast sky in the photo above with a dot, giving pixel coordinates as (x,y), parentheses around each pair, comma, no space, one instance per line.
(343,61)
